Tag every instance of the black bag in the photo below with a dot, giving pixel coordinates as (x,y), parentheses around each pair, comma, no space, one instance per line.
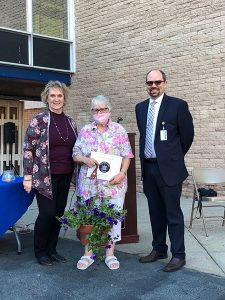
(207,192)
(204,193)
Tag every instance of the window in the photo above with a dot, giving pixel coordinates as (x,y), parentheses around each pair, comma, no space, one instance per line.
(14,47)
(50,18)
(38,33)
(51,54)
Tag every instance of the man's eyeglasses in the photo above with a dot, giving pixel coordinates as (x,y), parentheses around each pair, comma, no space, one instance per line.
(157,82)
(101,110)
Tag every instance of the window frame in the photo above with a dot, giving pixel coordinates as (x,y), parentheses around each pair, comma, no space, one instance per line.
(31,35)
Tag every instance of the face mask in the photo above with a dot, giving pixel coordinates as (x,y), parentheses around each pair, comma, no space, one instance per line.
(101,118)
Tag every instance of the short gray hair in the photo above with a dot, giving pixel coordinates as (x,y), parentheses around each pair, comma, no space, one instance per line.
(54,84)
(100,99)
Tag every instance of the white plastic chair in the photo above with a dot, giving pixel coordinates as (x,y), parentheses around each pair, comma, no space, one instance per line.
(203,177)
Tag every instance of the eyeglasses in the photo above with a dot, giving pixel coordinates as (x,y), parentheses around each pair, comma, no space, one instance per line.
(101,110)
(157,82)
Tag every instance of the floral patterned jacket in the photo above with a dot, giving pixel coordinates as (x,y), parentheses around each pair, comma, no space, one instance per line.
(36,152)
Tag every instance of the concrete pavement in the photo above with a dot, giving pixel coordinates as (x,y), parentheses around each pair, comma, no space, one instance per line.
(23,278)
(204,254)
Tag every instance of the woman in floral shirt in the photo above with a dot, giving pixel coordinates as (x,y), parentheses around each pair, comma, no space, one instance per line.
(48,168)
(106,137)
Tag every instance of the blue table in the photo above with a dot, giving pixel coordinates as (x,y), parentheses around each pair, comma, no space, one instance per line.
(14,202)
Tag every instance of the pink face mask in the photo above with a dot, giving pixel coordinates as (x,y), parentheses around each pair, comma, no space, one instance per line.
(101,118)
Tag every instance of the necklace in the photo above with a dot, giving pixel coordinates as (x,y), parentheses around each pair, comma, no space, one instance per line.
(67,129)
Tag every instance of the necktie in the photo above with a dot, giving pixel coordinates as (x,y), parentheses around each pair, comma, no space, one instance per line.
(149,130)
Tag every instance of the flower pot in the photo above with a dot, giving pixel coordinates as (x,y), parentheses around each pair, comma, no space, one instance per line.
(82,232)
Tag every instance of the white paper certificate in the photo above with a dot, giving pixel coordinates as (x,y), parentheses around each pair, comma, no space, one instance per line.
(108,165)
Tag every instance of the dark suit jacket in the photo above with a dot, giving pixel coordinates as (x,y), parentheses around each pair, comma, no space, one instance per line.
(170,154)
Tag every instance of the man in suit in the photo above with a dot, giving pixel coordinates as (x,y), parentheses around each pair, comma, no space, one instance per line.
(166,134)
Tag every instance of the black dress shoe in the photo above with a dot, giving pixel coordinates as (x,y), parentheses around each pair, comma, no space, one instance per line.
(45,261)
(58,258)
(175,264)
(153,256)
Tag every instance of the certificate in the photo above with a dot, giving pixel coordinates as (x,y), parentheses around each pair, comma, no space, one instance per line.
(108,165)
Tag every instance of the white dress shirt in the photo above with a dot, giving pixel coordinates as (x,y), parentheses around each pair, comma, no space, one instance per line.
(157,107)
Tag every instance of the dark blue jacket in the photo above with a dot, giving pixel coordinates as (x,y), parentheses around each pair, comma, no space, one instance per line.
(170,154)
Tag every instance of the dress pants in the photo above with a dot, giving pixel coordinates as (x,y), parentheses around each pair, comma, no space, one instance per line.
(164,209)
(47,227)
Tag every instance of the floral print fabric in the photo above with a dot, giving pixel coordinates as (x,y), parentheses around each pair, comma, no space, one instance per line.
(114,140)
(36,152)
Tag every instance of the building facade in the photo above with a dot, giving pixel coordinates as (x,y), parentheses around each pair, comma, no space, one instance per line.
(116,42)
(37,45)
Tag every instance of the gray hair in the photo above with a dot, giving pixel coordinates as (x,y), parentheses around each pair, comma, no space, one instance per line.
(100,99)
(54,84)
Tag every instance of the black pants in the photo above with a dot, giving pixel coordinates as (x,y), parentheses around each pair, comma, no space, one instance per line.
(165,211)
(47,227)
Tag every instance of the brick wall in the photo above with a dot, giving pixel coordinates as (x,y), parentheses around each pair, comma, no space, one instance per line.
(118,41)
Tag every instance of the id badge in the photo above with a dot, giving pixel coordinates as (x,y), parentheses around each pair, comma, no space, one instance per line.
(163,135)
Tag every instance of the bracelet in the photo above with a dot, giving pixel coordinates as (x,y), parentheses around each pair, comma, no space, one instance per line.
(27,180)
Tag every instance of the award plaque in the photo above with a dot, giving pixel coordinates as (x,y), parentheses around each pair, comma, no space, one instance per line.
(108,165)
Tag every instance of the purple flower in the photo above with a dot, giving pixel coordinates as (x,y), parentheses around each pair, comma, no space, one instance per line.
(87,212)
(64,220)
(75,213)
(111,205)
(115,222)
(88,201)
(75,204)
(102,214)
(111,220)
(96,212)
(93,256)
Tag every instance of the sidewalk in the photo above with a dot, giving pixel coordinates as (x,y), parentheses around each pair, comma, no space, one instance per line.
(204,254)
(23,278)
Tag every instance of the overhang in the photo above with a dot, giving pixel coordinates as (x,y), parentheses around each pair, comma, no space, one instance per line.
(25,83)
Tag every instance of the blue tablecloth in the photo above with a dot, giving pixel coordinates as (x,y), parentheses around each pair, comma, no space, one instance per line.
(14,202)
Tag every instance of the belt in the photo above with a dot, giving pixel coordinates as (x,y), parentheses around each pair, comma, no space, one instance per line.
(151,159)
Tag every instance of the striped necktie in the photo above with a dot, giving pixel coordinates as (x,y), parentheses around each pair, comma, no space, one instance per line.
(149,130)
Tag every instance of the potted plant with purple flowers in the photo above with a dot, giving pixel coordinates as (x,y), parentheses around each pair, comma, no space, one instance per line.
(101,215)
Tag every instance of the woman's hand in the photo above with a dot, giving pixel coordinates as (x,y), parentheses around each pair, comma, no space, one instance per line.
(27,184)
(90,162)
(117,179)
